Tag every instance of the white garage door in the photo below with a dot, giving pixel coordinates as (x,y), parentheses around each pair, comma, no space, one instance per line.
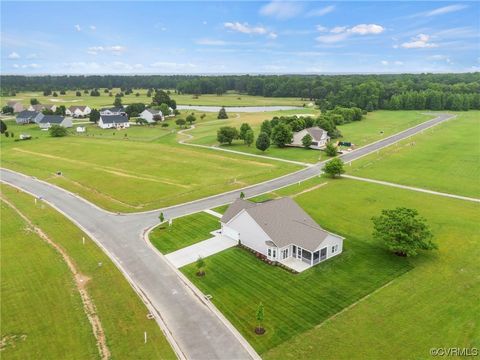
(231,233)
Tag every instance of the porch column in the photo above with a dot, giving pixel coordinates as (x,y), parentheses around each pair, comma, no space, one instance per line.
(311,258)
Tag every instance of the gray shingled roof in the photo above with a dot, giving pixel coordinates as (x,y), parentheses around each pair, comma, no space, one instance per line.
(27,114)
(110,119)
(315,132)
(75,107)
(52,119)
(153,111)
(283,221)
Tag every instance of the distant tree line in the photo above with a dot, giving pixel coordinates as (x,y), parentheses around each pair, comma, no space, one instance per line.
(367,92)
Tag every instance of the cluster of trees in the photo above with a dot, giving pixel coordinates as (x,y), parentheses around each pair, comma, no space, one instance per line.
(60,110)
(162,97)
(226,134)
(368,92)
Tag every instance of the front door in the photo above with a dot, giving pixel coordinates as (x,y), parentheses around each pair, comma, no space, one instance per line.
(299,253)
(323,254)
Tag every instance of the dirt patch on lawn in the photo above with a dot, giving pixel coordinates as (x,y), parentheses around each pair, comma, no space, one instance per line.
(80,282)
(308,190)
(11,340)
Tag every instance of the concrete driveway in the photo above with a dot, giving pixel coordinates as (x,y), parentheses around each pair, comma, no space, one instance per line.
(203,249)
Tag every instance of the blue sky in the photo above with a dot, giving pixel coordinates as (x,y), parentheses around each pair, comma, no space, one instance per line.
(239,37)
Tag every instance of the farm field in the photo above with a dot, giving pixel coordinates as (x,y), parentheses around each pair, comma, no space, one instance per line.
(444,158)
(53,319)
(184,232)
(294,308)
(375,126)
(172,173)
(104,100)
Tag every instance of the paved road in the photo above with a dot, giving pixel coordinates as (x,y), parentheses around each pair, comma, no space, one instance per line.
(196,330)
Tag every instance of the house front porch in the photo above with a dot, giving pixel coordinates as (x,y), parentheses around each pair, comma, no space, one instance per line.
(295,264)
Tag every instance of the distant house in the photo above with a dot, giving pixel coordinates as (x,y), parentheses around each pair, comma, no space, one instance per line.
(319,137)
(149,114)
(78,111)
(281,231)
(113,121)
(36,107)
(27,117)
(113,111)
(46,121)
(16,106)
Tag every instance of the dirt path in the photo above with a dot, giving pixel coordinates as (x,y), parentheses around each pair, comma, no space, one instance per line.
(309,189)
(80,283)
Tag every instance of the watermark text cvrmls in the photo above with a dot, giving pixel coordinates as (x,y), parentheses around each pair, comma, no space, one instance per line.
(454,351)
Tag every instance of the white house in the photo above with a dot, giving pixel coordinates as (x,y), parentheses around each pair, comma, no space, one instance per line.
(113,111)
(148,115)
(319,137)
(78,111)
(15,105)
(26,117)
(113,121)
(281,231)
(46,121)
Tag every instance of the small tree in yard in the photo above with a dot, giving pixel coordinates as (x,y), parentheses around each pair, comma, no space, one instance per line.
(263,141)
(259,315)
(331,150)
(226,134)
(34,101)
(334,168)
(157,117)
(94,115)
(200,265)
(191,118)
(57,131)
(180,122)
(222,114)
(7,109)
(307,141)
(78,93)
(117,102)
(3,127)
(165,109)
(242,195)
(243,130)
(403,231)
(249,137)
(266,127)
(161,217)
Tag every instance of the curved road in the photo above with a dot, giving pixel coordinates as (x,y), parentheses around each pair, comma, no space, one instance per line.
(195,331)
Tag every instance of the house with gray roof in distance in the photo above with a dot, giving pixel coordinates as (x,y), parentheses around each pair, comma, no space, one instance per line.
(149,115)
(281,231)
(46,121)
(15,105)
(113,121)
(27,117)
(78,111)
(120,110)
(319,136)
(36,107)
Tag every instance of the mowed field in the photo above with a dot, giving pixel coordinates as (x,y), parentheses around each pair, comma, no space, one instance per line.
(104,100)
(42,312)
(422,293)
(445,158)
(131,171)
(375,126)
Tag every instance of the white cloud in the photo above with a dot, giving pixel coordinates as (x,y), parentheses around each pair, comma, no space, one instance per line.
(32,56)
(365,29)
(204,22)
(281,9)
(322,11)
(13,55)
(272,35)
(115,49)
(245,28)
(340,33)
(93,27)
(27,66)
(421,41)
(77,27)
(446,10)
(440,57)
(384,62)
(397,63)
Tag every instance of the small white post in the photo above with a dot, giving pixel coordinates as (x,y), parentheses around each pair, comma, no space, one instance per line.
(83,240)
(145,336)
(35,200)
(170,222)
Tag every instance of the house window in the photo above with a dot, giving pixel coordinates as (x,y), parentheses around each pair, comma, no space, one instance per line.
(269,252)
(334,248)
(284,254)
(274,253)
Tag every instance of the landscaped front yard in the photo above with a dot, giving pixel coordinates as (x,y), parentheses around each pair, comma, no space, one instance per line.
(295,304)
(183,232)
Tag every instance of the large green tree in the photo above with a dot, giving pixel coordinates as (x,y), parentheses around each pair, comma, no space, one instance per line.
(403,231)
(226,134)
(57,131)
(222,114)
(243,130)
(307,141)
(94,115)
(3,127)
(263,141)
(334,168)
(249,137)
(282,135)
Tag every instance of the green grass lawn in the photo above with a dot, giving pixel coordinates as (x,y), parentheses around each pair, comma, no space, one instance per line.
(445,158)
(295,304)
(373,127)
(104,100)
(114,171)
(42,314)
(184,232)
(436,304)
(39,299)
